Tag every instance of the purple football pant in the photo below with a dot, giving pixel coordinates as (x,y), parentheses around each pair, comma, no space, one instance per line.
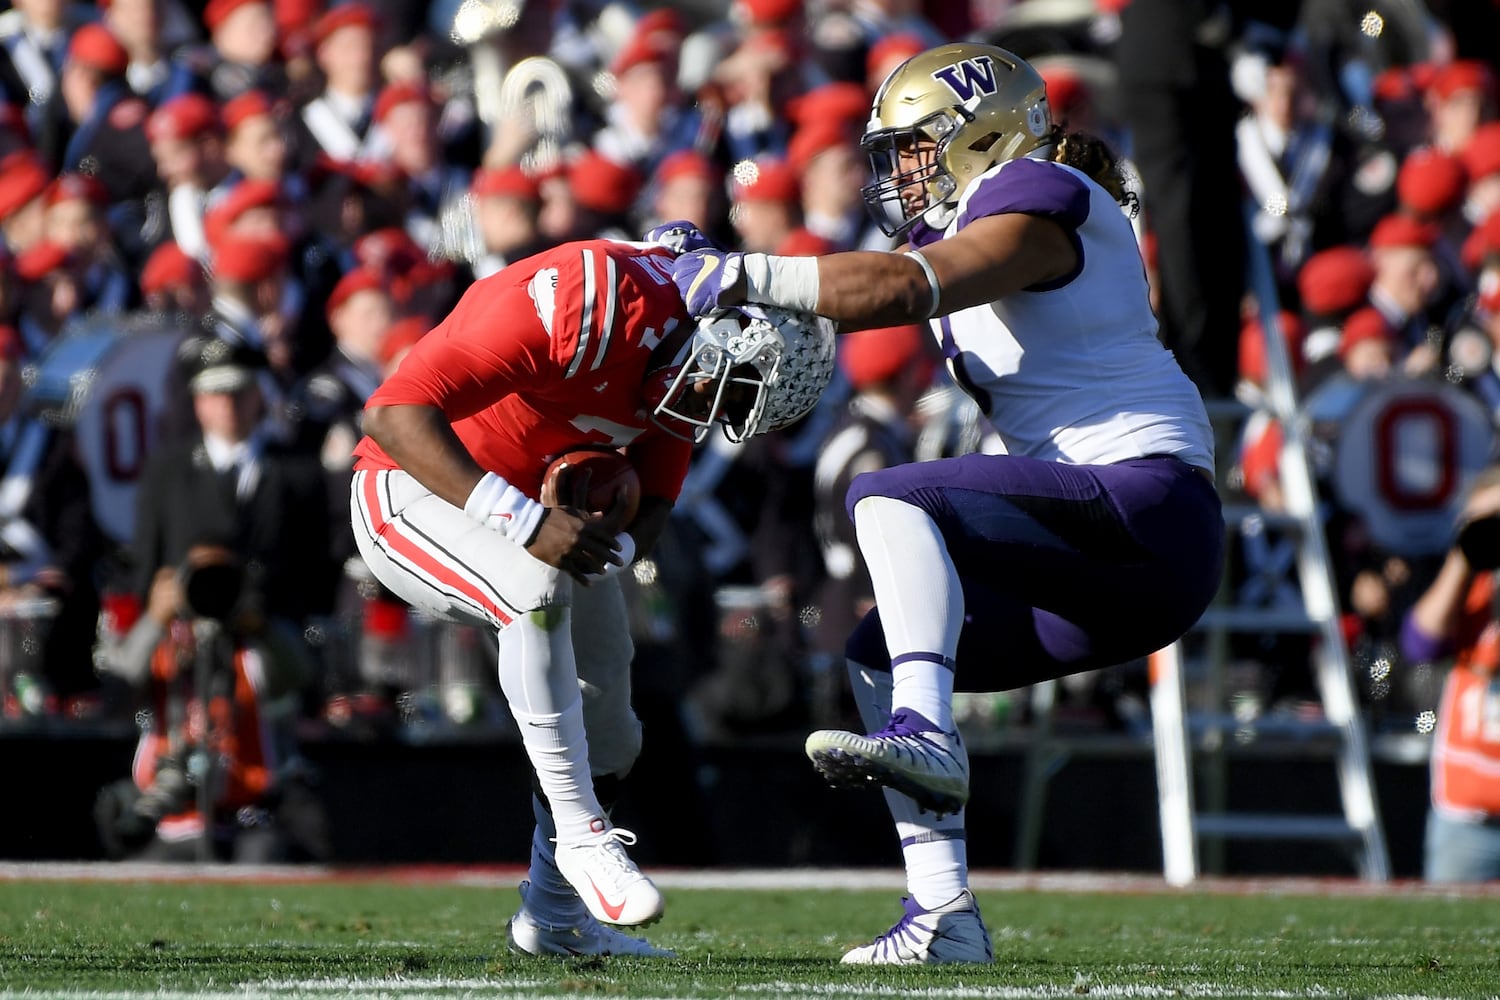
(1064,567)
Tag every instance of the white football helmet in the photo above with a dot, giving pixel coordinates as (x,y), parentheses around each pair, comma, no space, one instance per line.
(780,359)
(950,114)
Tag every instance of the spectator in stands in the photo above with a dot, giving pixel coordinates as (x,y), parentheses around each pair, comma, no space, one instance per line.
(255,147)
(758,77)
(1481,159)
(1406,282)
(1455,618)
(688,185)
(765,204)
(593,198)
(1331,285)
(825,154)
(51,293)
(243,37)
(173,282)
(1368,346)
(1459,98)
(75,221)
(49,541)
(23,182)
(232,481)
(209,674)
(108,138)
(507,205)
(34,38)
(337,123)
(647,118)
(406,114)
(187,143)
(152,74)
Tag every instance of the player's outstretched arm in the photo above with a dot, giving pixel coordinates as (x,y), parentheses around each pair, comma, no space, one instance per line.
(987,259)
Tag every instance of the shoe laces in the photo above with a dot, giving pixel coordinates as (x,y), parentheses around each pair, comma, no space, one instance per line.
(610,848)
(903,931)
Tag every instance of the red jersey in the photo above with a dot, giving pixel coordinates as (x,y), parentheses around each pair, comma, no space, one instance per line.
(548,354)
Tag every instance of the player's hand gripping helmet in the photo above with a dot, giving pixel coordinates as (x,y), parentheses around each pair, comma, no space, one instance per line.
(942,118)
(750,368)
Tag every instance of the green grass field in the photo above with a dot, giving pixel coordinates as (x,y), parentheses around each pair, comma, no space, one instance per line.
(164,941)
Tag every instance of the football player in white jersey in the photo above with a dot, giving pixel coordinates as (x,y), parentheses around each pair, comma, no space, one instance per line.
(1096,539)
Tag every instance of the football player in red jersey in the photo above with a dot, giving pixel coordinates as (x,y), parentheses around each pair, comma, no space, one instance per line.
(587,343)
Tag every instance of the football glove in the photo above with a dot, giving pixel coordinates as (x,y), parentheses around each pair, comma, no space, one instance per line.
(680,237)
(709,280)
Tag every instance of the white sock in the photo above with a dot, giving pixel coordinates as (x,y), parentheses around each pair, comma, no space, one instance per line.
(933,849)
(540,682)
(921,602)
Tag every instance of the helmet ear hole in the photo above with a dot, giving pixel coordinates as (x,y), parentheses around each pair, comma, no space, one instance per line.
(984,142)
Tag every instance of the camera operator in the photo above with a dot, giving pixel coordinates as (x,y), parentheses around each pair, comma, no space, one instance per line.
(1458,616)
(231,554)
(214,757)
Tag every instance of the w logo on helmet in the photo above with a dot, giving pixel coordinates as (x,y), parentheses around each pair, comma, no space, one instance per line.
(969,76)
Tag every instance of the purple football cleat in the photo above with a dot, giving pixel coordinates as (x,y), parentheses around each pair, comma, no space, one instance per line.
(911,755)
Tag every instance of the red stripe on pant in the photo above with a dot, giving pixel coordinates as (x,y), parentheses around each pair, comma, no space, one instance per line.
(413,552)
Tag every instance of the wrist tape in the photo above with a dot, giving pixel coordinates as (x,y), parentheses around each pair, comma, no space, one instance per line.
(501,507)
(789,282)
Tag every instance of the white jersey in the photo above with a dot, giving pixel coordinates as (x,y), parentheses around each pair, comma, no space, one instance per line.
(1072,371)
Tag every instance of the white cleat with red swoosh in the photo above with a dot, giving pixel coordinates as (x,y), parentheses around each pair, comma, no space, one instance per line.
(608,882)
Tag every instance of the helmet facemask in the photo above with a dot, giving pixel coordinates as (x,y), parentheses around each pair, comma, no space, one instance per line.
(925,142)
(736,360)
(765,368)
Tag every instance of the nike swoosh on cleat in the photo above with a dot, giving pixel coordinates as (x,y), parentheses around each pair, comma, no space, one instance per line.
(612,912)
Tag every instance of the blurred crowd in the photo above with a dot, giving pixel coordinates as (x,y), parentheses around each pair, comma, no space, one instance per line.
(222,224)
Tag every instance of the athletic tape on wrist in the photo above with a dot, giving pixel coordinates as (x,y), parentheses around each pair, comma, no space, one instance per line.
(932,282)
(501,507)
(789,282)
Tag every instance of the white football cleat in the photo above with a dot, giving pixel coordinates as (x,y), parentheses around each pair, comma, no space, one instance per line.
(953,932)
(910,754)
(608,882)
(585,936)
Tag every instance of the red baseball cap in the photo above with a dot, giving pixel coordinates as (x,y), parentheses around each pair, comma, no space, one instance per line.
(360,279)
(247,194)
(37,261)
(77,187)
(1253,364)
(92,45)
(840,103)
(216,11)
(396,94)
(601,184)
(1365,324)
(868,357)
(656,39)
(1335,280)
(23,177)
(502,182)
(250,104)
(1460,75)
(1481,155)
(1403,231)
(186,116)
(1431,183)
(345,15)
(686,163)
(766,180)
(402,334)
(169,267)
(803,242)
(248,259)
(888,49)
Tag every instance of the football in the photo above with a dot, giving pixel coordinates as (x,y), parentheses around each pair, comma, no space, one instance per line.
(608,472)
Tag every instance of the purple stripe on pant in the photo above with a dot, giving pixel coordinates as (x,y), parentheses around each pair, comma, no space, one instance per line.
(1064,567)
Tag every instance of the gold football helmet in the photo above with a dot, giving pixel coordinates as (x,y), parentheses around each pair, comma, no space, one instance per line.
(941,119)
